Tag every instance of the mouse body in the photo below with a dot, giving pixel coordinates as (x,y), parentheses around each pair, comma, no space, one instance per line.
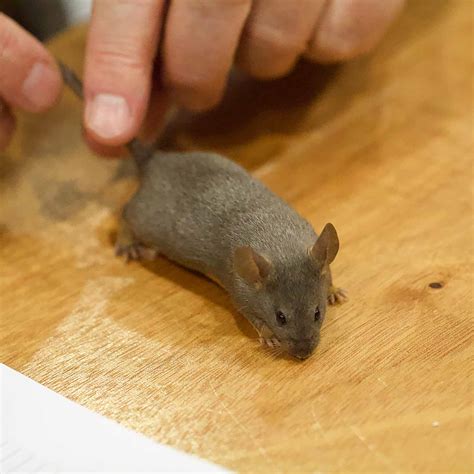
(208,214)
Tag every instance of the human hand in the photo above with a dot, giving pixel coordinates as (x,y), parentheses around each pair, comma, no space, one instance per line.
(29,77)
(201,40)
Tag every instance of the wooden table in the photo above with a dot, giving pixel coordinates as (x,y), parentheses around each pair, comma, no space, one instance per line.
(381,147)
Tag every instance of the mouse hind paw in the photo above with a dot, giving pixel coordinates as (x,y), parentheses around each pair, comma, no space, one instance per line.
(135,251)
(337,295)
(130,248)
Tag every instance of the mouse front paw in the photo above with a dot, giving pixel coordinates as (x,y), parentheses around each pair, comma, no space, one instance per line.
(337,295)
(271,342)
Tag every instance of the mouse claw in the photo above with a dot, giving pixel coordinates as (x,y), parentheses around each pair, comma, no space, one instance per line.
(337,295)
(272,342)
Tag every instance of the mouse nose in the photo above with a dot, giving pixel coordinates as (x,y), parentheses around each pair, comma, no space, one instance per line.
(303,348)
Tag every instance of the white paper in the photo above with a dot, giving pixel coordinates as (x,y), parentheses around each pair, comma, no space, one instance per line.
(44,431)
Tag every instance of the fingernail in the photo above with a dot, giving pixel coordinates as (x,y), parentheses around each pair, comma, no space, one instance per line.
(41,86)
(108,116)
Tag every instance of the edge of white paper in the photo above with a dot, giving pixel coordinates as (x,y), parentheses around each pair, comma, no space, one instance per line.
(43,431)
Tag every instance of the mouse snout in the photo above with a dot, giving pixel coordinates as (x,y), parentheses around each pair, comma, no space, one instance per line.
(303,348)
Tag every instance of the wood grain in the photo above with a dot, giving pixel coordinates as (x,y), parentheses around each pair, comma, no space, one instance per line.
(381,147)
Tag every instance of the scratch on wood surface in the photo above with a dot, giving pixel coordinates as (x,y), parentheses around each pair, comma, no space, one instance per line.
(242,427)
(371,447)
(319,428)
(322,433)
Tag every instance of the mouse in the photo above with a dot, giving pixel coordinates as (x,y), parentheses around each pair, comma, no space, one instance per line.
(208,214)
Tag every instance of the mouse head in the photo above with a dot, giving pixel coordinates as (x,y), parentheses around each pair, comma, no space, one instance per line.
(285,298)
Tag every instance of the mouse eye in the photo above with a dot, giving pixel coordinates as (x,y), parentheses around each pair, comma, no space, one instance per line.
(317,315)
(281,318)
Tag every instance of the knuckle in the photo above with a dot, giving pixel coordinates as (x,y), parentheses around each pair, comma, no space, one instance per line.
(357,30)
(336,45)
(114,58)
(276,41)
(194,91)
(342,48)
(268,52)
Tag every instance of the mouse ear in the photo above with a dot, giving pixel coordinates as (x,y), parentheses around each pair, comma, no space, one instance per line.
(251,266)
(325,249)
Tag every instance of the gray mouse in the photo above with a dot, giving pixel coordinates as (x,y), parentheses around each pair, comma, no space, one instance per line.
(208,214)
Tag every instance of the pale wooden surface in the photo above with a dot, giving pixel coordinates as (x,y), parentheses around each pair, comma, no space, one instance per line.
(383,149)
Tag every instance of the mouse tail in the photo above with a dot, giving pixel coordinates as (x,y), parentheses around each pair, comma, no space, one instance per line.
(71,80)
(139,151)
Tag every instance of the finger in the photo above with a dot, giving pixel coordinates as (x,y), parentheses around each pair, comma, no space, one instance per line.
(349,28)
(150,130)
(7,125)
(121,48)
(152,126)
(276,34)
(200,41)
(29,77)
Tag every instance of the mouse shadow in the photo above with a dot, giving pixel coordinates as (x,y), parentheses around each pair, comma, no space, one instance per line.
(203,287)
(198,284)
